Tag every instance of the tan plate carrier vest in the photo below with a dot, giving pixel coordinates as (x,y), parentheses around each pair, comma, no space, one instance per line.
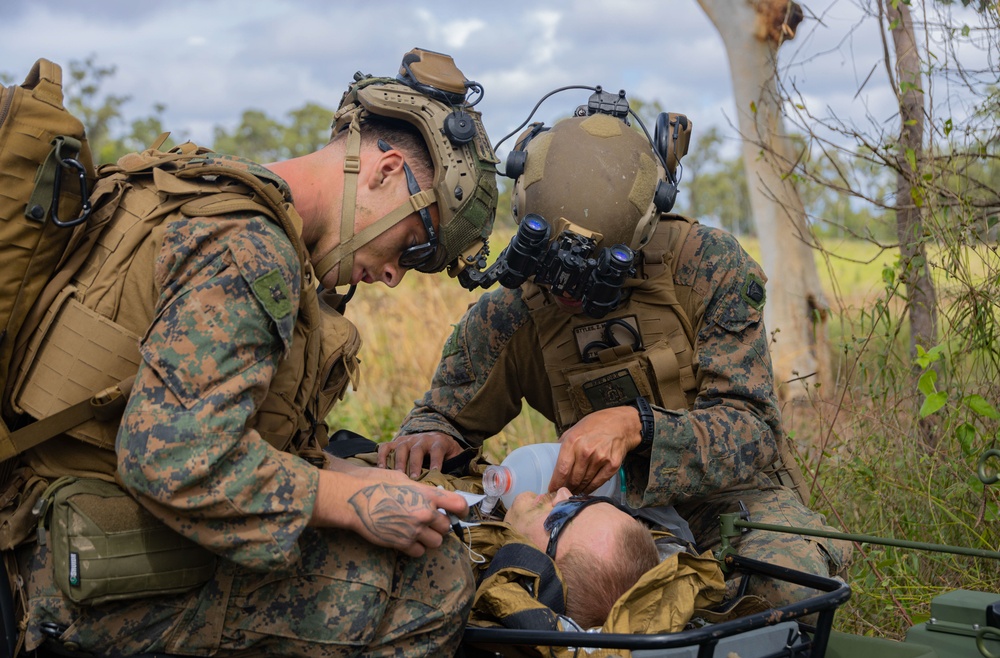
(88,339)
(665,316)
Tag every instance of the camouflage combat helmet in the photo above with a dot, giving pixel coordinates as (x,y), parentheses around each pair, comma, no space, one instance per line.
(429,93)
(597,173)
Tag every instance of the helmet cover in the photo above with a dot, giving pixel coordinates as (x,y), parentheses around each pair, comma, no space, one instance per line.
(464,182)
(596,172)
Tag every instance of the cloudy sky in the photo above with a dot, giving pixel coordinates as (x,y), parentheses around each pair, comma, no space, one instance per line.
(208,60)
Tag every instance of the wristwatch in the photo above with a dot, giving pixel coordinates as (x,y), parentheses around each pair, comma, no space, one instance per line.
(648,423)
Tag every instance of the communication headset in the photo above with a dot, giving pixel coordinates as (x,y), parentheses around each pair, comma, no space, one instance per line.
(459,126)
(670,139)
(570,264)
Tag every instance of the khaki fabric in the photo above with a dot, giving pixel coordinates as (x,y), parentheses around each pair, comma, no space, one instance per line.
(89,339)
(660,370)
(666,597)
(37,136)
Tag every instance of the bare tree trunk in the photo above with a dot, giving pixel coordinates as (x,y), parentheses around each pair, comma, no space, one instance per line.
(915,273)
(797,311)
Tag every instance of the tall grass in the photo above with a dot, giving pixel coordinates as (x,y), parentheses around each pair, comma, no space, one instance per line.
(403,331)
(866,449)
(859,444)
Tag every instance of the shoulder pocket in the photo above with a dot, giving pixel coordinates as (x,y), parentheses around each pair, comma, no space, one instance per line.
(213,329)
(743,304)
(737,315)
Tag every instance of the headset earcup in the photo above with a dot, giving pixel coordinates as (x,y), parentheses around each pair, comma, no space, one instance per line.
(459,127)
(661,136)
(665,196)
(666,190)
(515,164)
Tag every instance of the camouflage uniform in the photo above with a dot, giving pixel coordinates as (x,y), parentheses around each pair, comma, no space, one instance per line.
(222,317)
(706,458)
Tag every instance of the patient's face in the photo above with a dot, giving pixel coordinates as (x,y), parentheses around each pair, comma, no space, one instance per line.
(594,529)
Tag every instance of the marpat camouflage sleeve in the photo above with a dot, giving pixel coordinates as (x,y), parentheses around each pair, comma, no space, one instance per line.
(228,298)
(479,383)
(732,432)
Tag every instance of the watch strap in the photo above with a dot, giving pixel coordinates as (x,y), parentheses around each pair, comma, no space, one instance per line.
(648,421)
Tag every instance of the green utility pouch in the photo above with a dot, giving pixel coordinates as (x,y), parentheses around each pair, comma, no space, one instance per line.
(107,547)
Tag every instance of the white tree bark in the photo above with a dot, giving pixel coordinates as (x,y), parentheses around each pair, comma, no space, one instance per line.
(796,312)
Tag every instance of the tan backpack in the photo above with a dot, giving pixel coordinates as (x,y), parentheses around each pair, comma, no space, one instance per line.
(46,172)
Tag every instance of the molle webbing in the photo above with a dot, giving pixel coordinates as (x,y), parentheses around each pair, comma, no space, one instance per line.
(662,370)
(86,344)
(558,349)
(662,253)
(75,353)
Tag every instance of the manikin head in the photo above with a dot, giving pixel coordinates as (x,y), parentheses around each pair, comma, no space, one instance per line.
(601,550)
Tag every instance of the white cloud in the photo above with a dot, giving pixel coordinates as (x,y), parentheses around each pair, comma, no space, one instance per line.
(208,61)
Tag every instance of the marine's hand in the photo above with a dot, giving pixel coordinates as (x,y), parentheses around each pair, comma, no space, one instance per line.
(411,449)
(387,509)
(593,450)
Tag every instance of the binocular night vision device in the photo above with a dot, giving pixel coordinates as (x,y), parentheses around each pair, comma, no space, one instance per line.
(569,266)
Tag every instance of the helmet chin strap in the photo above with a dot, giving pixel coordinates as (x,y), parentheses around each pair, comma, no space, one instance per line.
(350,242)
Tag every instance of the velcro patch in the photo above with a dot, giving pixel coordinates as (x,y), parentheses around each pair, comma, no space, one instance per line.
(451,345)
(753,291)
(611,390)
(272,292)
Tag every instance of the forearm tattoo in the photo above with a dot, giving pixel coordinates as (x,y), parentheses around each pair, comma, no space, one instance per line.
(388,510)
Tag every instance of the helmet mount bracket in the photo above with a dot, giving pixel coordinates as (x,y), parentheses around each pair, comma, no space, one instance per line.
(599,191)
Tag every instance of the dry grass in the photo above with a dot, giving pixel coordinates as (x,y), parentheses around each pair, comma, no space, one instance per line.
(404,330)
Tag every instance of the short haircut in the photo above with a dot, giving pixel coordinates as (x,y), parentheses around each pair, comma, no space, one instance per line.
(402,136)
(593,586)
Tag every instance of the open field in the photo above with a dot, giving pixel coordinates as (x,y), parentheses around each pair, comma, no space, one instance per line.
(859,445)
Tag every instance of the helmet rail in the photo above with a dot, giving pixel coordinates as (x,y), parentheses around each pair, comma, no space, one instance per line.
(430,94)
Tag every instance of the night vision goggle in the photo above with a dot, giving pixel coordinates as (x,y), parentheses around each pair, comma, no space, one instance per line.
(572,264)
(569,266)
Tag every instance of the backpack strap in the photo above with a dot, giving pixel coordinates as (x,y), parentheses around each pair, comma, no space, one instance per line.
(105,405)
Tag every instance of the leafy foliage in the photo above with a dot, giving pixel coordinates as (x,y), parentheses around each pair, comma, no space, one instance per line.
(261,138)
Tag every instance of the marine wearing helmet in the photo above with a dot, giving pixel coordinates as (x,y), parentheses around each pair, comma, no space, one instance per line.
(429,93)
(596,188)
